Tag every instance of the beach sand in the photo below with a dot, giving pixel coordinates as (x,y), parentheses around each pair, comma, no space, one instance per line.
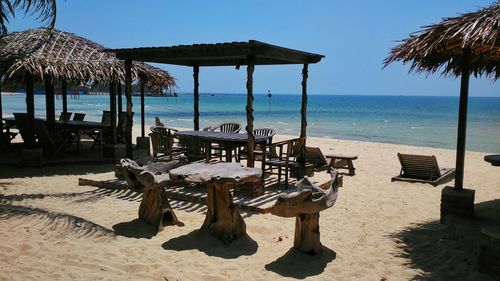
(53,229)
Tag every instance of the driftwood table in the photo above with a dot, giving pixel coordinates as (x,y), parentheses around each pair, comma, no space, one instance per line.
(305,204)
(222,219)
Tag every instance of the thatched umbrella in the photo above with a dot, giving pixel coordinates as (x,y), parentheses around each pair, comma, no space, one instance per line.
(52,55)
(458,46)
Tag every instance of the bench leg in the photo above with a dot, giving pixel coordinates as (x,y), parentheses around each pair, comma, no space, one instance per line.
(351,168)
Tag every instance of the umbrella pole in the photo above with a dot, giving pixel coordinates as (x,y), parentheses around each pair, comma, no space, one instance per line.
(462,121)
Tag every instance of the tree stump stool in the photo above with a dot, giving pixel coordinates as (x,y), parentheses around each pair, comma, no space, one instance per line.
(305,204)
(223,218)
(344,162)
(131,170)
(155,208)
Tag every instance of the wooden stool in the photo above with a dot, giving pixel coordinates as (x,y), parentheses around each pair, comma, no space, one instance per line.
(345,162)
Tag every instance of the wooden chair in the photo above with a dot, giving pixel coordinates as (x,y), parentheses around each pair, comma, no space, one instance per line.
(51,142)
(120,128)
(284,155)
(65,116)
(230,127)
(25,129)
(266,132)
(422,168)
(163,142)
(194,148)
(79,116)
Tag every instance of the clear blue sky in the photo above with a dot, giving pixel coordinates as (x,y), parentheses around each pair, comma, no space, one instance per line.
(355,36)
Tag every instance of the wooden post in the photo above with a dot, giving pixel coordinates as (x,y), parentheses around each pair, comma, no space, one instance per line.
(462,120)
(143,126)
(1,112)
(128,121)
(120,104)
(303,112)
(30,104)
(112,109)
(249,110)
(64,92)
(196,98)
(49,100)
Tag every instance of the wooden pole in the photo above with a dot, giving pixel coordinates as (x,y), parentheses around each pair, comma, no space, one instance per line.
(64,90)
(303,110)
(1,113)
(249,111)
(128,96)
(143,125)
(462,121)
(112,109)
(196,98)
(30,104)
(49,100)
(120,104)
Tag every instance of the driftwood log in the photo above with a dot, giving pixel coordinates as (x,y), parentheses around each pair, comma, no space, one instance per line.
(305,204)
(223,218)
(132,169)
(155,208)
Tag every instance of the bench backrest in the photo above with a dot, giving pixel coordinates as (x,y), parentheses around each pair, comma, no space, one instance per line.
(423,167)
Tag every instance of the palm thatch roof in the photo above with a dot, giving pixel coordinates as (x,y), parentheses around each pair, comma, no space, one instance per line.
(443,44)
(60,54)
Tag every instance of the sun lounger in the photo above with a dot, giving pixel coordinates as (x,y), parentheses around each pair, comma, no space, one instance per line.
(422,168)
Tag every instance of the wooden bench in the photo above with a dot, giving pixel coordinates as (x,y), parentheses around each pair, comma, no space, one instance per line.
(344,162)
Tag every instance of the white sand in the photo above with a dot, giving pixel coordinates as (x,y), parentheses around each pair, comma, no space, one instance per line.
(53,229)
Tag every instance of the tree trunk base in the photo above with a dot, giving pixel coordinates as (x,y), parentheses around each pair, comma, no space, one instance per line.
(223,219)
(307,234)
(155,208)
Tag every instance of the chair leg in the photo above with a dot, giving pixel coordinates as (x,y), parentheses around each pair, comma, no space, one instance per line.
(279,174)
(286,177)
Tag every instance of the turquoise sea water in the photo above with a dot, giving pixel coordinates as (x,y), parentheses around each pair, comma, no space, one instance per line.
(420,121)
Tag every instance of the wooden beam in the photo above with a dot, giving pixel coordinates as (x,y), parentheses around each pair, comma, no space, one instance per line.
(112,108)
(30,104)
(128,96)
(143,125)
(249,111)
(119,95)
(64,92)
(49,100)
(196,98)
(303,111)
(462,120)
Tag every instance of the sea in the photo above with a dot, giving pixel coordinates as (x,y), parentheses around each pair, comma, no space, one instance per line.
(429,121)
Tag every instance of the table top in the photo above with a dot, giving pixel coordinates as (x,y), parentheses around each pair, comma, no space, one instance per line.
(220,136)
(203,172)
(494,159)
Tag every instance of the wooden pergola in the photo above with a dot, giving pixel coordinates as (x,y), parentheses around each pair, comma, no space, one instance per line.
(236,54)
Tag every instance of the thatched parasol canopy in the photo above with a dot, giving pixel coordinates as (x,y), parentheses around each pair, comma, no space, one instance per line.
(443,44)
(60,55)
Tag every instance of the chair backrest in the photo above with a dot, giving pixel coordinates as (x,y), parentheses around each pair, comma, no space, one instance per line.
(79,116)
(266,132)
(25,129)
(106,117)
(158,122)
(295,147)
(195,148)
(419,166)
(227,128)
(65,116)
(122,119)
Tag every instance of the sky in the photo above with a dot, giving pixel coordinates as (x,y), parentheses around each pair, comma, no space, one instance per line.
(354,36)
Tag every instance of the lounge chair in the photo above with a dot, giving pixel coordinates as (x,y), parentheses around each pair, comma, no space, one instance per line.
(422,168)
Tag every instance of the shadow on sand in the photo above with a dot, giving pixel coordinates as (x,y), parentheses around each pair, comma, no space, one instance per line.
(299,265)
(202,240)
(448,251)
(135,229)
